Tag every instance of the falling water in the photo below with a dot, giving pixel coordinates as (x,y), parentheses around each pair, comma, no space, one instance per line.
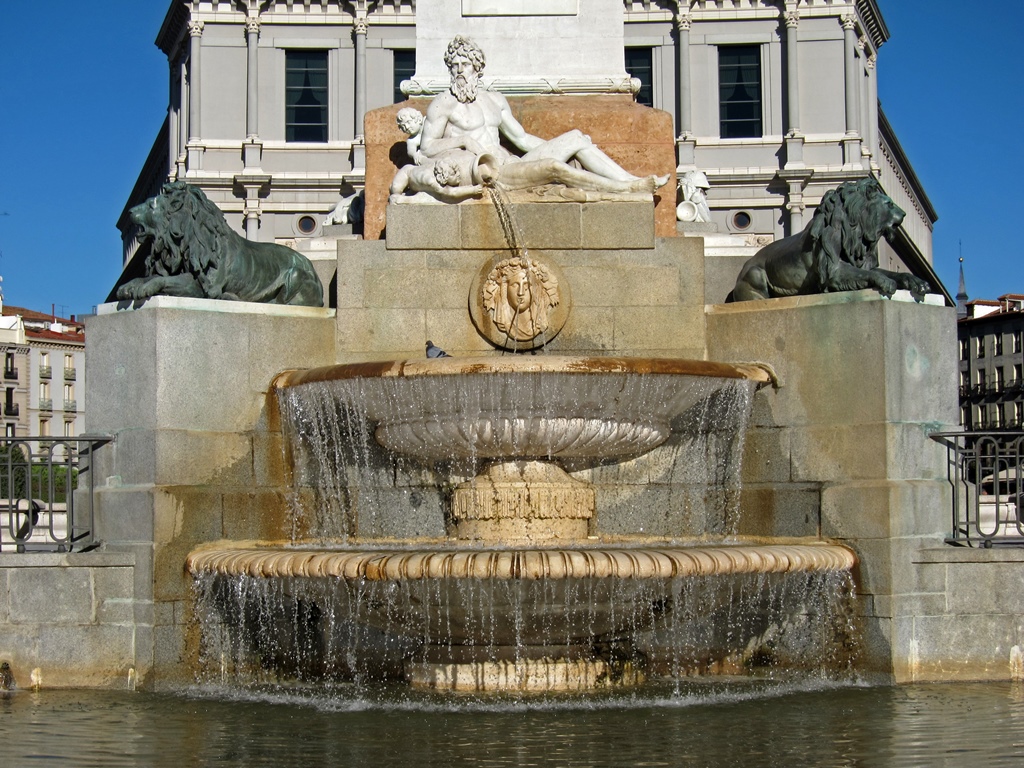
(348,485)
(352,492)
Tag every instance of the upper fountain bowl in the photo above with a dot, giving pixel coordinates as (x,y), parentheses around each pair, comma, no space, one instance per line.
(536,407)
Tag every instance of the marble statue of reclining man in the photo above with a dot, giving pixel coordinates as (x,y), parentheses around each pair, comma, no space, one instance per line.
(470,121)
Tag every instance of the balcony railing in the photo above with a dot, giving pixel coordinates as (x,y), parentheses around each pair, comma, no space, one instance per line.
(986,472)
(11,373)
(45,404)
(45,372)
(12,409)
(70,374)
(47,493)
(71,406)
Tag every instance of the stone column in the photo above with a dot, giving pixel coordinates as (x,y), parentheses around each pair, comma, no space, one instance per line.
(871,108)
(195,149)
(252,36)
(359,28)
(794,138)
(686,143)
(851,144)
(252,149)
(173,114)
(183,110)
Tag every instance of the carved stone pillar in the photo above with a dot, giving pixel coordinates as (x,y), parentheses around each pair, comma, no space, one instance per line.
(183,111)
(794,138)
(252,37)
(686,143)
(851,144)
(359,29)
(872,108)
(195,149)
(252,149)
(173,115)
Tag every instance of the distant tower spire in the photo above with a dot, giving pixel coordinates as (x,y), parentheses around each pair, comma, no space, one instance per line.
(961,294)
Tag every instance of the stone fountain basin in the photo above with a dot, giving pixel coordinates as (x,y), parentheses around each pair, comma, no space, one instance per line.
(514,407)
(513,597)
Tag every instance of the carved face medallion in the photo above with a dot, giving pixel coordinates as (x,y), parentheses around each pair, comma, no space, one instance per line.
(519,303)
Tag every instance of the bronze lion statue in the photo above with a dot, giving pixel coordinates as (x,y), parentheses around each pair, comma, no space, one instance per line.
(837,251)
(193,252)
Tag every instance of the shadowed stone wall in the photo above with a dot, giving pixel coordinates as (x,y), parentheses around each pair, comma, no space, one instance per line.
(842,451)
(182,386)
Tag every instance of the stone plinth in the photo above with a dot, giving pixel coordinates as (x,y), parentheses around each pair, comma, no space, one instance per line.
(68,620)
(639,138)
(182,385)
(645,301)
(841,450)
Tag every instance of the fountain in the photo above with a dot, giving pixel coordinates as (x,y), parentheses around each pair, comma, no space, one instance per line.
(557,506)
(521,595)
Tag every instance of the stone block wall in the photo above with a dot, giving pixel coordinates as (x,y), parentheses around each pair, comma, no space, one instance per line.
(183,386)
(841,450)
(631,293)
(68,619)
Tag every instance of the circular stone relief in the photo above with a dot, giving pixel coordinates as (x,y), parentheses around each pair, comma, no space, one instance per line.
(519,303)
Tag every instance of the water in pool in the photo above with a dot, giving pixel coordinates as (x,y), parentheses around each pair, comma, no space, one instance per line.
(725,724)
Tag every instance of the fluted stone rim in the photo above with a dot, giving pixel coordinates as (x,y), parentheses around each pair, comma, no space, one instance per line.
(623,562)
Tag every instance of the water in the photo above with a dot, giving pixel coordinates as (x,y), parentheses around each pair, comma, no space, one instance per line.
(725,725)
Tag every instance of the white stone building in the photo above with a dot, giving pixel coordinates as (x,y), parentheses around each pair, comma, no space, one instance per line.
(775,100)
(43,374)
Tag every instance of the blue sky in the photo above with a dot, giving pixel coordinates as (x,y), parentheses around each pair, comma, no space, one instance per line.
(83,95)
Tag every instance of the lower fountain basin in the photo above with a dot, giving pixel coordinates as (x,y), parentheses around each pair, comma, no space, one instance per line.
(516,597)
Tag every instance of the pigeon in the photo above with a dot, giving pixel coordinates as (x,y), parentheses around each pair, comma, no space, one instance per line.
(433,351)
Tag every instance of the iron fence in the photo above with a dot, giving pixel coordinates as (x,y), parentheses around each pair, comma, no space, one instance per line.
(47,493)
(985,471)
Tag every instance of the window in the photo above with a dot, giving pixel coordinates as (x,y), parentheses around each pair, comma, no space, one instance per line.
(998,339)
(69,429)
(44,390)
(12,430)
(44,358)
(1016,341)
(640,64)
(980,341)
(404,69)
(44,427)
(306,96)
(739,91)
(69,392)
(964,349)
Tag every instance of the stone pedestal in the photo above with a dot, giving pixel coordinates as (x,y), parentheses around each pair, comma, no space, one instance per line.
(181,385)
(639,138)
(841,450)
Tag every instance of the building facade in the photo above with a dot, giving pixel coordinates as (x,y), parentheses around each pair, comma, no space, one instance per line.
(991,337)
(774,100)
(44,368)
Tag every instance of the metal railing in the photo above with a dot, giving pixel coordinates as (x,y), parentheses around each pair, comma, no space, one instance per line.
(985,470)
(70,374)
(47,493)
(45,372)
(45,403)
